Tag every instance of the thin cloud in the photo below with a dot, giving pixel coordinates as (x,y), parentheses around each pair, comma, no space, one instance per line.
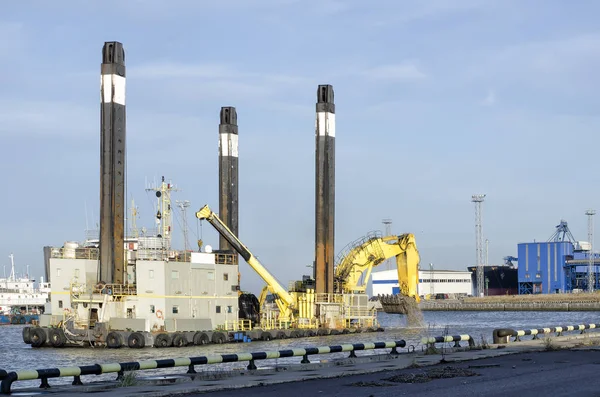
(490,98)
(208,71)
(567,63)
(161,70)
(402,72)
(398,12)
(47,118)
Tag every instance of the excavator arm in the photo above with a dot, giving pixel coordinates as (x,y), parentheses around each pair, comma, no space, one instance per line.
(283,299)
(354,269)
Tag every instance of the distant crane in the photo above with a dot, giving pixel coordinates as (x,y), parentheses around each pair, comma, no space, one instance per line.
(508,260)
(562,233)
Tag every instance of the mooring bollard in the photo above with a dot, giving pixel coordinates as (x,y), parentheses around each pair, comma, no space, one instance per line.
(502,336)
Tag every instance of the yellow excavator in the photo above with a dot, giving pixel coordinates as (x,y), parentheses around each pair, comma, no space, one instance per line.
(283,299)
(348,306)
(355,265)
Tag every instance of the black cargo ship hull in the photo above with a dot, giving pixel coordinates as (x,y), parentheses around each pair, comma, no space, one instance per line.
(501,280)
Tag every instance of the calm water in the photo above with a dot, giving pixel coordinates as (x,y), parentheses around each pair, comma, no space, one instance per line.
(15,355)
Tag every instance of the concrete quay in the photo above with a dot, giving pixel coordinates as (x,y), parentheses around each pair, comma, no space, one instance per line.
(343,372)
(515,306)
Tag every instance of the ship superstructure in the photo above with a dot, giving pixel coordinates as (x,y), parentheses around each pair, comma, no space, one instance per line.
(165,289)
(22,294)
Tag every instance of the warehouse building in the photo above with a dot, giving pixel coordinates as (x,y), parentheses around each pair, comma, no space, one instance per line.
(559,265)
(443,282)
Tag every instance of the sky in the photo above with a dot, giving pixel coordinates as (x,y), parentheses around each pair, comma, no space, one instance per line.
(436,100)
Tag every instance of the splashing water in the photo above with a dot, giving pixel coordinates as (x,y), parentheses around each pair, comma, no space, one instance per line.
(414,315)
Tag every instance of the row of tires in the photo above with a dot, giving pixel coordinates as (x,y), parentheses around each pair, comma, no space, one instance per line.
(56,337)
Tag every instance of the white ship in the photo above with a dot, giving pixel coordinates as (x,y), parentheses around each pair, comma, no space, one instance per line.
(22,294)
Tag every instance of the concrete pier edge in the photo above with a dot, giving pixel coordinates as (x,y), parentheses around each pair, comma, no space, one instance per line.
(179,383)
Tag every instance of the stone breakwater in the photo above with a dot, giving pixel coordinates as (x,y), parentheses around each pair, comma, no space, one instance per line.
(509,303)
(549,306)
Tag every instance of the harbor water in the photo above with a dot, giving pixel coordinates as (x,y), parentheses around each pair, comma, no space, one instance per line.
(16,355)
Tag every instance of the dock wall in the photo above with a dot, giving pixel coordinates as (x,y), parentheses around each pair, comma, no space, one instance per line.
(511,306)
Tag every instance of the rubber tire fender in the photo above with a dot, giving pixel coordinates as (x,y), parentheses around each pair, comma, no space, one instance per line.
(218,338)
(57,337)
(136,341)
(26,335)
(114,340)
(162,340)
(281,335)
(201,338)
(179,340)
(38,337)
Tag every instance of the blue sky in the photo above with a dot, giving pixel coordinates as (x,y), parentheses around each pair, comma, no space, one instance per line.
(435,99)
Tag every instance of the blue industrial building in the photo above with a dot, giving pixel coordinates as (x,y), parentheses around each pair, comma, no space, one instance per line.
(559,265)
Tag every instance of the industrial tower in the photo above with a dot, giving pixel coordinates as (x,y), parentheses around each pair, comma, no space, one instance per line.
(591,272)
(478,200)
(113,169)
(228,174)
(324,190)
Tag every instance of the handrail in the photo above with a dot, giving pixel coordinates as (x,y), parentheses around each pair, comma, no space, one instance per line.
(120,368)
(441,339)
(506,333)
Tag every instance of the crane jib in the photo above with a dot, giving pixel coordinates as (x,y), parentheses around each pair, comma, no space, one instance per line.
(243,251)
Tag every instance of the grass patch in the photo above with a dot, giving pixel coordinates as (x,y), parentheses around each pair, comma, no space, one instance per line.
(129,379)
(549,345)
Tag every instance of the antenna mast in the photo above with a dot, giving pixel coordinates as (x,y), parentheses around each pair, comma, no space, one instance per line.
(388,232)
(478,200)
(12,268)
(163,213)
(134,213)
(183,205)
(591,271)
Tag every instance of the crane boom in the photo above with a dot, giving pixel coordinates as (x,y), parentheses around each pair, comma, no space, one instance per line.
(286,301)
(354,270)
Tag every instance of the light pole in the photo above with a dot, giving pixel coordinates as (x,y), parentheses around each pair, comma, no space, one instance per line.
(431,288)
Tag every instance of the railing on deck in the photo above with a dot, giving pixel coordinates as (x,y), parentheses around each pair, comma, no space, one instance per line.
(116,289)
(329,298)
(238,325)
(225,259)
(74,253)
(97,369)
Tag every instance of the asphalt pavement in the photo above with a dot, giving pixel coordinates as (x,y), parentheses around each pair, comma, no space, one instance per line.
(553,373)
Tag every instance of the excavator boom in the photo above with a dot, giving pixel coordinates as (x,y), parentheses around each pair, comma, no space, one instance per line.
(354,270)
(286,299)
